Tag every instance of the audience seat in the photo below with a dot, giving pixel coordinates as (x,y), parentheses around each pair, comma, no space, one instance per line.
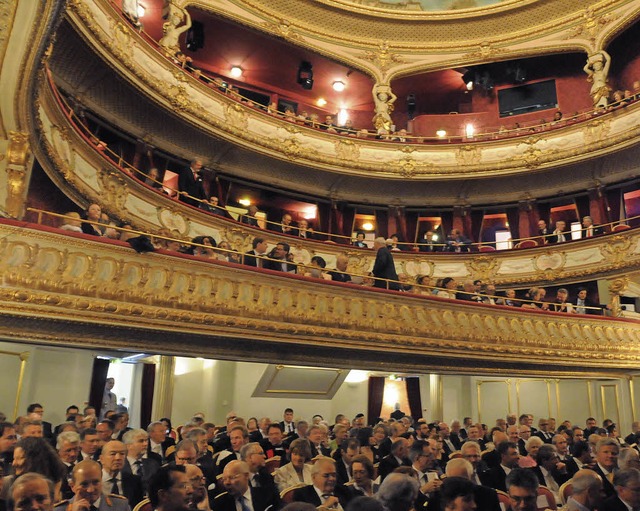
(566,490)
(621,227)
(143,505)
(546,500)
(286,495)
(527,244)
(272,464)
(505,501)
(486,248)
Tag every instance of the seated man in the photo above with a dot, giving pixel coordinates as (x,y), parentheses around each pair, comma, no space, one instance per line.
(359,242)
(550,471)
(340,273)
(559,234)
(627,485)
(324,490)
(305,231)
(114,480)
(284,226)
(250,217)
(240,495)
(457,242)
(259,477)
(31,491)
(252,258)
(561,304)
(587,491)
(86,484)
(522,488)
(170,490)
(279,259)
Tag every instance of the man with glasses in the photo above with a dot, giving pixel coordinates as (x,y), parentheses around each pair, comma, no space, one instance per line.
(627,498)
(170,489)
(522,488)
(543,434)
(199,496)
(259,477)
(471,452)
(324,491)
(551,472)
(239,494)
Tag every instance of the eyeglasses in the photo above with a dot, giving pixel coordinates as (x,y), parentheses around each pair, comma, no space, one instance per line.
(527,499)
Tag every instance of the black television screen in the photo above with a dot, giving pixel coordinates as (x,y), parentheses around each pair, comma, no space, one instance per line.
(527,98)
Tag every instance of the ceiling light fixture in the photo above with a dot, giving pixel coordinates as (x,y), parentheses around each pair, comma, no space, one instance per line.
(367,226)
(321,102)
(338,86)
(245,202)
(236,71)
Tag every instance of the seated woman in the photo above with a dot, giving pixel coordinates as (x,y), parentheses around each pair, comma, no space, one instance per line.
(73,224)
(297,470)
(205,251)
(93,214)
(450,285)
(532,445)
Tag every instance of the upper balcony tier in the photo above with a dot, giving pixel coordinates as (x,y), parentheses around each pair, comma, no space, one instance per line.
(281,148)
(78,290)
(87,175)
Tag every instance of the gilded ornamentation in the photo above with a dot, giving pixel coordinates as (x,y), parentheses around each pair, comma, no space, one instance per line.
(236,116)
(405,166)
(18,150)
(174,221)
(16,184)
(591,25)
(283,29)
(617,249)
(179,97)
(122,40)
(551,260)
(483,267)
(292,148)
(347,150)
(383,58)
(596,131)
(113,188)
(468,155)
(485,50)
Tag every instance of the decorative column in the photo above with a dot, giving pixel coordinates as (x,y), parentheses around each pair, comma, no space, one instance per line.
(616,288)
(436,397)
(163,392)
(17,171)
(597,69)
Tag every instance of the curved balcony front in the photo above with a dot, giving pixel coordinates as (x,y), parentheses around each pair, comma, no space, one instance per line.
(222,117)
(86,174)
(76,290)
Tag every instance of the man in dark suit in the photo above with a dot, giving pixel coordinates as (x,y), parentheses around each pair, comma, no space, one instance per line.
(190,185)
(139,461)
(239,492)
(428,242)
(449,442)
(589,229)
(68,447)
(115,481)
(159,442)
(305,231)
(397,458)
(35,411)
(607,451)
(279,259)
(284,226)
(344,455)
(324,490)
(273,445)
(262,432)
(634,436)
(561,444)
(250,217)
(496,477)
(560,234)
(169,489)
(542,433)
(384,267)
(259,477)
(581,302)
(549,470)
(543,232)
(627,486)
(259,249)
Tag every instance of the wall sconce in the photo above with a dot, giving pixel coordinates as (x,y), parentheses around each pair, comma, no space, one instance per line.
(236,71)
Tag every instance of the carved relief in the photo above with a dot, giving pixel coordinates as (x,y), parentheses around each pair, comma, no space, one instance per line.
(122,40)
(483,267)
(17,158)
(616,250)
(596,131)
(174,221)
(283,29)
(236,116)
(468,155)
(113,188)
(18,150)
(347,150)
(383,58)
(591,25)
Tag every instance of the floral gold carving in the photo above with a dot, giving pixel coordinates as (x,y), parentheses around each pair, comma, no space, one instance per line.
(122,40)
(283,29)
(236,116)
(347,150)
(485,50)
(18,151)
(616,250)
(596,131)
(383,57)
(483,267)
(174,221)
(468,155)
(550,261)
(292,148)
(113,188)
(591,25)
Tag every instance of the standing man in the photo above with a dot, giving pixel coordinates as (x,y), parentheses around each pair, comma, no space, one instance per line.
(109,399)
(560,234)
(589,230)
(384,267)
(190,185)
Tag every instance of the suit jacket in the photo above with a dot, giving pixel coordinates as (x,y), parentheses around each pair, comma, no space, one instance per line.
(107,503)
(495,478)
(265,482)
(596,231)
(612,504)
(340,277)
(492,459)
(256,436)
(608,488)
(521,447)
(486,499)
(261,501)
(322,451)
(540,435)
(384,268)
(341,471)
(150,466)
(251,260)
(165,445)
(559,478)
(554,237)
(249,220)
(388,464)
(572,466)
(308,494)
(132,488)
(189,184)
(271,450)
(292,231)
(632,438)
(277,265)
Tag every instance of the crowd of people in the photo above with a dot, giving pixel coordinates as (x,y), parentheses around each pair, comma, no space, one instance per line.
(382,275)
(91,463)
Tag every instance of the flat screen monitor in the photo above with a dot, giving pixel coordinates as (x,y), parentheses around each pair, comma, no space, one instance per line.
(527,98)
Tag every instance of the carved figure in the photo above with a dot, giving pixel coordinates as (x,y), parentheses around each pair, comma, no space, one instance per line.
(383,99)
(172,28)
(597,69)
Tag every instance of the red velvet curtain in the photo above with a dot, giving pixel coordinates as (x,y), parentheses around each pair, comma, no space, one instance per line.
(348,216)
(413,395)
(323,224)
(382,223)
(98,381)
(146,393)
(376,393)
(513,217)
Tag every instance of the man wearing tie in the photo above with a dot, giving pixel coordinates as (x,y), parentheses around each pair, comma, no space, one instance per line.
(559,235)
(190,185)
(86,485)
(68,445)
(323,492)
(114,481)
(240,496)
(545,436)
(89,444)
(159,442)
(589,230)
(287,426)
(139,461)
(606,465)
